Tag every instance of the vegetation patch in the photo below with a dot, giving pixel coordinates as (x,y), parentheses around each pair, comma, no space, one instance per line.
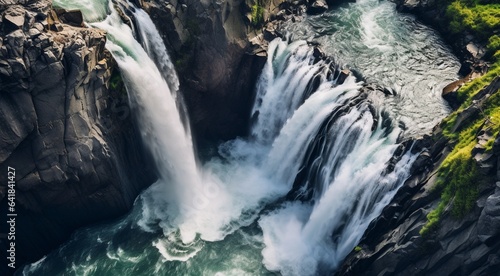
(257,13)
(479,17)
(458,174)
(457,180)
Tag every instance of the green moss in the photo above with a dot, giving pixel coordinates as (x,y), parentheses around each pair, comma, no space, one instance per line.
(257,13)
(481,19)
(458,176)
(433,219)
(494,43)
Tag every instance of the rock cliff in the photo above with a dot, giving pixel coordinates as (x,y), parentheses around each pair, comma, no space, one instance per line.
(66,127)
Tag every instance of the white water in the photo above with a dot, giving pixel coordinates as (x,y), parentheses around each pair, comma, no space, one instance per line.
(333,134)
(389,49)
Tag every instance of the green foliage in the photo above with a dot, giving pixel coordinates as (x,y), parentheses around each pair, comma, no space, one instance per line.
(466,92)
(457,175)
(257,13)
(432,219)
(481,19)
(357,248)
(456,179)
(494,43)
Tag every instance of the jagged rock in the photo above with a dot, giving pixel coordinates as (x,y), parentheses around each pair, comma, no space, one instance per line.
(343,76)
(13,21)
(72,17)
(317,7)
(71,150)
(476,51)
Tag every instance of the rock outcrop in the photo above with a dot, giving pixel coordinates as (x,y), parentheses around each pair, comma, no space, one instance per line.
(394,244)
(66,129)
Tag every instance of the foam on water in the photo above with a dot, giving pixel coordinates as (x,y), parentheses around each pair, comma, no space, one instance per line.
(247,205)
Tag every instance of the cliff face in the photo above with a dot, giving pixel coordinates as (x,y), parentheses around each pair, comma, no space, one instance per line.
(66,132)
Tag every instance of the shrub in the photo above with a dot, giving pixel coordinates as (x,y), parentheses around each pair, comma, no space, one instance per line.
(257,13)
(481,19)
(494,43)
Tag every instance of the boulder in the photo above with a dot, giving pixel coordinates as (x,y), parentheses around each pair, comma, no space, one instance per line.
(72,17)
(317,7)
(343,76)
(13,21)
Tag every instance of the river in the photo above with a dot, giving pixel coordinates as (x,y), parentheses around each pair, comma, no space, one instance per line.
(321,160)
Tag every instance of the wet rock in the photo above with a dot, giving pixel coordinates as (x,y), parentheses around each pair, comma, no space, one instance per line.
(72,17)
(71,169)
(317,7)
(343,76)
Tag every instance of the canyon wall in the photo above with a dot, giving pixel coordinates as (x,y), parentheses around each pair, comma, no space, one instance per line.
(66,127)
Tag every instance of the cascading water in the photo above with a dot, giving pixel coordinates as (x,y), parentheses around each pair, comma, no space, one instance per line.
(295,197)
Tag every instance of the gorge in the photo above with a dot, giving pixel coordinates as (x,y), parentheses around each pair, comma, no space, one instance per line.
(292,179)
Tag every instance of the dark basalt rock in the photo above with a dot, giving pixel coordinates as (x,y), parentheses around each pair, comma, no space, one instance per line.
(73,17)
(317,7)
(77,154)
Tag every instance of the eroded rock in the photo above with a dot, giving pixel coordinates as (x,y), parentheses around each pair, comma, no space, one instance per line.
(77,159)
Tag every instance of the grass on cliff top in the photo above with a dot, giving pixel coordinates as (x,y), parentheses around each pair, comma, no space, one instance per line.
(467,92)
(481,18)
(456,181)
(458,174)
(257,13)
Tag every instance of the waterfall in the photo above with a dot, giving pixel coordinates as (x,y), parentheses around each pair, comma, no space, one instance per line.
(352,183)
(321,162)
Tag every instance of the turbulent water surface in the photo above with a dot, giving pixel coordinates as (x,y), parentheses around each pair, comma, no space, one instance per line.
(295,196)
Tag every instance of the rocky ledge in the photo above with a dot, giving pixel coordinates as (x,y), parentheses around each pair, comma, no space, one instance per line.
(66,127)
